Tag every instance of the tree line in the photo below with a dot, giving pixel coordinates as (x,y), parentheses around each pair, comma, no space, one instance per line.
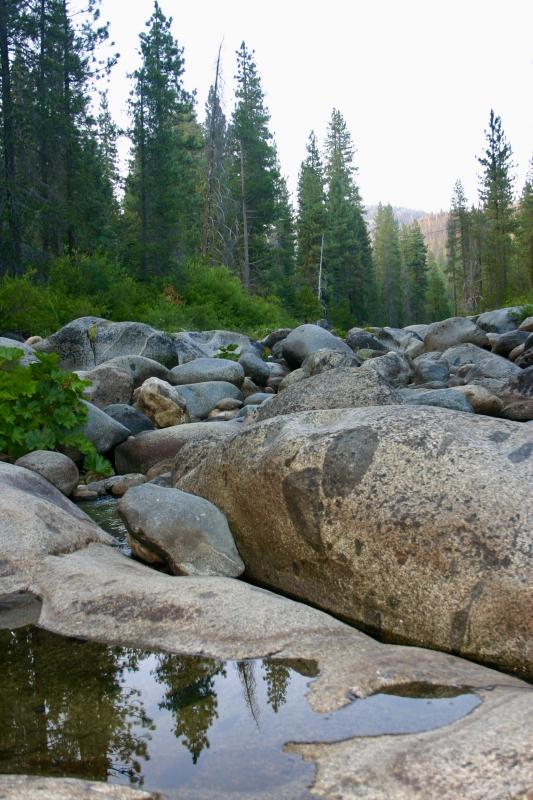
(204,205)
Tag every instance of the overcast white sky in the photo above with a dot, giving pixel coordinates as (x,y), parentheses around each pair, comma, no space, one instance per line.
(415,79)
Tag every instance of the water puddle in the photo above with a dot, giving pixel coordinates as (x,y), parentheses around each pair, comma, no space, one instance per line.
(104,512)
(186,726)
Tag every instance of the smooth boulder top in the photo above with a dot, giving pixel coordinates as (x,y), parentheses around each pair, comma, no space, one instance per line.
(89,341)
(414,522)
(190,534)
(201,398)
(141,368)
(202,370)
(307,339)
(102,430)
(109,384)
(207,344)
(131,418)
(453,331)
(499,321)
(28,356)
(344,387)
(57,468)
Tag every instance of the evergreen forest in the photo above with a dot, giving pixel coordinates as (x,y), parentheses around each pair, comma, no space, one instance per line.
(202,232)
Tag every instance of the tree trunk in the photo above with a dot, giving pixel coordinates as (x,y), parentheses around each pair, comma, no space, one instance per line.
(246,263)
(210,164)
(68,144)
(9,143)
(144,216)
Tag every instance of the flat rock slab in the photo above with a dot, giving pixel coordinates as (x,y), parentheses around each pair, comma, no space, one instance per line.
(31,787)
(189,533)
(414,522)
(488,754)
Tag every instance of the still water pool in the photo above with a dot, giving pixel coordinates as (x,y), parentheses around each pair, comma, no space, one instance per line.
(189,727)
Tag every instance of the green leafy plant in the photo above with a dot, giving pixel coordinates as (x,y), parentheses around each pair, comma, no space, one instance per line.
(41,408)
(228,351)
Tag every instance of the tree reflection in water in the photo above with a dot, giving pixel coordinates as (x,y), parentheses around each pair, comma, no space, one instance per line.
(67,707)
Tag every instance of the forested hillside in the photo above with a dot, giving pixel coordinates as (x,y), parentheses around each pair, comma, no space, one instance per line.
(202,231)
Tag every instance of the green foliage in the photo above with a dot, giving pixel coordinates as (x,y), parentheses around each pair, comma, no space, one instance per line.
(229,352)
(96,464)
(41,408)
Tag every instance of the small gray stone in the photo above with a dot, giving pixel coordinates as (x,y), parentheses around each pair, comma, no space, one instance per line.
(55,467)
(190,533)
(109,384)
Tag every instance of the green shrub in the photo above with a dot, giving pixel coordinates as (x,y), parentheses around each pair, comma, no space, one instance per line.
(229,352)
(41,408)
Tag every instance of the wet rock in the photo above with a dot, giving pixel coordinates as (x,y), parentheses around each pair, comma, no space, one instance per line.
(306,339)
(324,360)
(337,388)
(33,787)
(142,452)
(255,368)
(57,468)
(131,418)
(208,369)
(89,341)
(452,332)
(395,368)
(109,385)
(380,520)
(189,533)
(463,760)
(161,403)
(102,430)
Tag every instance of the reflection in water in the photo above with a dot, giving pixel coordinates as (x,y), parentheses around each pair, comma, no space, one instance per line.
(104,512)
(186,726)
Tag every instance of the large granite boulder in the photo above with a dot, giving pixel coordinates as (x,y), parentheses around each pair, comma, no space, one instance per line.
(37,787)
(344,387)
(412,522)
(102,430)
(140,453)
(359,339)
(507,342)
(208,344)
(131,418)
(499,321)
(451,332)
(28,356)
(37,520)
(306,339)
(461,354)
(161,403)
(402,340)
(89,341)
(189,533)
(202,370)
(517,397)
(141,368)
(109,384)
(429,369)
(201,398)
(395,368)
(324,360)
(57,468)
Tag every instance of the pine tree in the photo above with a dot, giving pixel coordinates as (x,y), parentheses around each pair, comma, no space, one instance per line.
(255,173)
(496,194)
(414,272)
(387,264)
(437,303)
(524,231)
(311,216)
(347,253)
(163,202)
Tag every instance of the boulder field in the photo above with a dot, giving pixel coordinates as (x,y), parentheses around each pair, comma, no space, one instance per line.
(375,486)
